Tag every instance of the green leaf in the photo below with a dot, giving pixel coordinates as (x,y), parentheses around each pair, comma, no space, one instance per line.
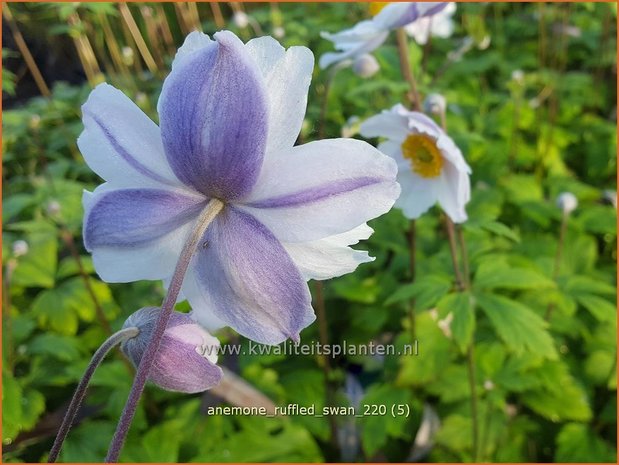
(462,326)
(577,285)
(11,406)
(519,327)
(493,275)
(377,428)
(63,348)
(559,396)
(435,350)
(577,442)
(38,267)
(426,291)
(501,230)
(600,308)
(87,442)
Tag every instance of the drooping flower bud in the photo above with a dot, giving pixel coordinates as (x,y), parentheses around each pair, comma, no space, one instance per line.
(365,66)
(187,356)
(567,202)
(435,104)
(279,32)
(20,248)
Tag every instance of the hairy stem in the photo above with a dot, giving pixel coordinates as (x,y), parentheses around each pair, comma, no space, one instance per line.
(80,392)
(407,72)
(558,257)
(122,428)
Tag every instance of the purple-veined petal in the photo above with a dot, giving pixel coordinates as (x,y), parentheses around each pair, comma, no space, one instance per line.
(152,261)
(120,143)
(330,257)
(251,282)
(135,217)
(396,15)
(214,118)
(322,188)
(287,75)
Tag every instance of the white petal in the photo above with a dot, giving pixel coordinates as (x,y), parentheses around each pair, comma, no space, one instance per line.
(322,188)
(391,14)
(364,38)
(419,194)
(454,192)
(391,124)
(394,150)
(120,143)
(193,42)
(330,257)
(420,29)
(287,75)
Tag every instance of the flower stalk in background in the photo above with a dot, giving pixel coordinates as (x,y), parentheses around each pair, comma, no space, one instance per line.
(221,185)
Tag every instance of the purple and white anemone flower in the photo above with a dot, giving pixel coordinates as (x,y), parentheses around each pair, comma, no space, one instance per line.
(365,37)
(431,167)
(229,116)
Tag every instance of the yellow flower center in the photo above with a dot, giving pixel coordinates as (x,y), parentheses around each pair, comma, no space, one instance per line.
(375,7)
(424,155)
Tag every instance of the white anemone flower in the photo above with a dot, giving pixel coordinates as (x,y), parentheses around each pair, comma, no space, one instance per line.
(431,167)
(368,35)
(439,25)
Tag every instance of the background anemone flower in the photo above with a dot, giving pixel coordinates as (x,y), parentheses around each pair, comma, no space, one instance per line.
(229,115)
(431,167)
(366,36)
(439,25)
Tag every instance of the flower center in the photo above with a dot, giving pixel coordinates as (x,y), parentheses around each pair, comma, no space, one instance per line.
(424,155)
(375,7)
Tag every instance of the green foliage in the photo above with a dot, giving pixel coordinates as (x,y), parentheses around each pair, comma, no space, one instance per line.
(540,331)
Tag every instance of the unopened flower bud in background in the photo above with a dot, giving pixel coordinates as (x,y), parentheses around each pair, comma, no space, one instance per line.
(279,32)
(127,53)
(435,104)
(20,248)
(518,76)
(567,202)
(365,66)
(241,19)
(610,196)
(187,357)
(53,208)
(35,122)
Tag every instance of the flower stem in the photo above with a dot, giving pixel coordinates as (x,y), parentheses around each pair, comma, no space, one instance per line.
(323,336)
(411,239)
(463,284)
(558,256)
(208,215)
(407,72)
(451,235)
(80,392)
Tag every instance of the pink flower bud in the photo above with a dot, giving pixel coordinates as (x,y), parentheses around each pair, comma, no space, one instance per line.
(187,357)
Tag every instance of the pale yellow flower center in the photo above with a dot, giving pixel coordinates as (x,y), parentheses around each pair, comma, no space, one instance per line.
(425,157)
(375,7)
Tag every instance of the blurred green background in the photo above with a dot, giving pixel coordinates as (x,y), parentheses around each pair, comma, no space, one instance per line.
(543,334)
